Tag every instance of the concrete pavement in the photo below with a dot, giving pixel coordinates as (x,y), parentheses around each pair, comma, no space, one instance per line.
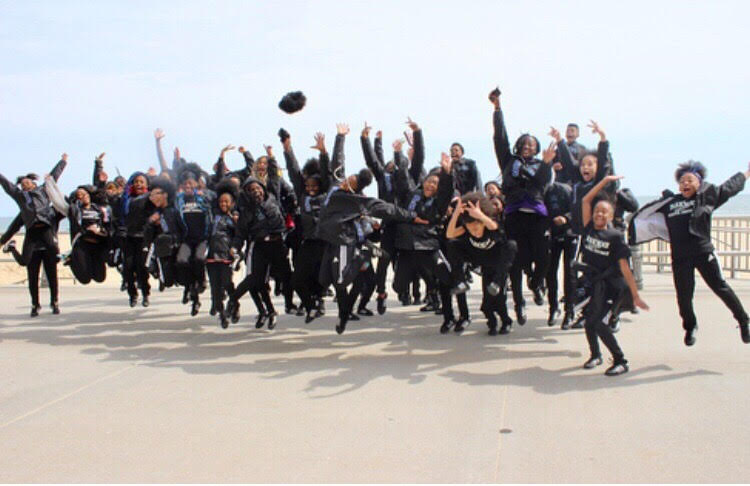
(105,393)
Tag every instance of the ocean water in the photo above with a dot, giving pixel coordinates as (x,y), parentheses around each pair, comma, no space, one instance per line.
(737,206)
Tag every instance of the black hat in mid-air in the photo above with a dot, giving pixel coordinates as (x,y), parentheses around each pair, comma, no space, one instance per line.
(292,102)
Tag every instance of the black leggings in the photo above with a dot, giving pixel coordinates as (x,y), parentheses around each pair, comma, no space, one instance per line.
(683,273)
(528,231)
(135,266)
(88,261)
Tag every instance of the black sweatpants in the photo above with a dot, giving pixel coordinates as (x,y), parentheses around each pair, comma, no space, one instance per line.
(47,257)
(191,265)
(566,248)
(220,278)
(88,261)
(683,273)
(136,272)
(604,293)
(528,231)
(263,259)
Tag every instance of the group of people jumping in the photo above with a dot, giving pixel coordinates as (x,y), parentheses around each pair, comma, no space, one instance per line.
(436,227)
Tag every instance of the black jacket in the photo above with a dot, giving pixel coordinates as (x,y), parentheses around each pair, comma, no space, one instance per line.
(138,210)
(558,199)
(34,205)
(223,232)
(258,221)
(81,218)
(309,206)
(522,179)
(466,177)
(648,223)
(433,209)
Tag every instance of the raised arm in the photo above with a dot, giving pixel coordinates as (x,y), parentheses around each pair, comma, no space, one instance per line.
(586,208)
(99,178)
(446,186)
(732,186)
(14,227)
(404,185)
(371,160)
(249,160)
(379,147)
(603,163)
(58,169)
(338,168)
(417,162)
(158,135)
(325,163)
(292,165)
(500,136)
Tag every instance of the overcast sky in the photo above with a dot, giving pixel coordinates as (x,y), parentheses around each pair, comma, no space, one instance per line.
(668,81)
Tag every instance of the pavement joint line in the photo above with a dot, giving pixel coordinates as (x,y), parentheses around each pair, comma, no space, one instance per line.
(502,425)
(85,387)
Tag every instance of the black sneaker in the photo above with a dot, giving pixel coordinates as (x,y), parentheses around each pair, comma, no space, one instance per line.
(567,321)
(364,311)
(493,331)
(521,314)
(492,324)
(291,309)
(311,314)
(212,311)
(578,324)
(353,317)
(447,325)
(195,308)
(223,320)
(690,337)
(55,308)
(144,301)
(461,324)
(460,288)
(617,369)
(614,323)
(11,244)
(185,296)
(133,301)
(745,333)
(593,362)
(35,310)
(272,320)
(341,326)
(381,304)
(539,296)
(505,328)
(321,310)
(260,321)
(233,309)
(554,313)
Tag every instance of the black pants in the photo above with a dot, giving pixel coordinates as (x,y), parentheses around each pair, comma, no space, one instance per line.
(604,293)
(136,272)
(364,285)
(388,245)
(263,259)
(528,231)
(431,265)
(47,257)
(88,261)
(306,272)
(683,273)
(191,264)
(565,247)
(220,278)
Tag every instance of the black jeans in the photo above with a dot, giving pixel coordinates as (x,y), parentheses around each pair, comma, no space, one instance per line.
(565,247)
(683,273)
(48,257)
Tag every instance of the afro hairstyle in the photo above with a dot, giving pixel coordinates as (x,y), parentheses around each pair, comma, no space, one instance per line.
(692,166)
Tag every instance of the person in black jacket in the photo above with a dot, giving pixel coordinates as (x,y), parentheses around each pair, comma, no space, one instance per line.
(195,209)
(40,242)
(164,230)
(685,221)
(135,211)
(419,245)
(466,177)
(604,256)
(557,199)
(341,226)
(220,250)
(261,225)
(90,231)
(525,179)
(310,187)
(385,175)
(475,235)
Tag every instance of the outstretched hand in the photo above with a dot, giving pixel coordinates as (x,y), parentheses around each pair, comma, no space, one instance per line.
(227,148)
(473,210)
(64,157)
(177,153)
(494,97)
(549,153)
(320,142)
(412,124)
(595,128)
(398,145)
(101,156)
(555,133)
(366,130)
(158,134)
(446,163)
(342,129)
